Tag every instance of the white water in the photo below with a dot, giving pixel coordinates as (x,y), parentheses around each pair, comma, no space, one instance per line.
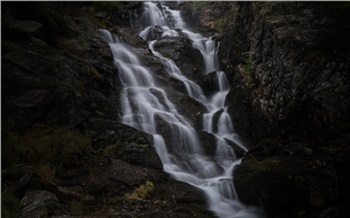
(144,104)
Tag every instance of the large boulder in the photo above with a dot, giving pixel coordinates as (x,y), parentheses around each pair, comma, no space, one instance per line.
(39,203)
(181,51)
(288,178)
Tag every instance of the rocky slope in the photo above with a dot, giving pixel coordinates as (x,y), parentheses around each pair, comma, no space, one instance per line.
(64,150)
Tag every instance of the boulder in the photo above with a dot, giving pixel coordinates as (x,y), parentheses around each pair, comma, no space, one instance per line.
(208,83)
(28,28)
(286,179)
(153,33)
(181,51)
(208,141)
(39,203)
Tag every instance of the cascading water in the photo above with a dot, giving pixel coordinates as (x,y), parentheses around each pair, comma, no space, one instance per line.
(145,104)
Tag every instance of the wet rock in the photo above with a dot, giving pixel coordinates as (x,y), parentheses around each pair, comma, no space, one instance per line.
(118,134)
(180,50)
(208,83)
(155,32)
(193,110)
(237,148)
(208,141)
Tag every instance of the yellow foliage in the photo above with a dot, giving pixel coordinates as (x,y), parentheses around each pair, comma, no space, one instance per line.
(108,151)
(47,173)
(141,192)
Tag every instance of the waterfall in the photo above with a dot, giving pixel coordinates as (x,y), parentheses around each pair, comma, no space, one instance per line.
(145,106)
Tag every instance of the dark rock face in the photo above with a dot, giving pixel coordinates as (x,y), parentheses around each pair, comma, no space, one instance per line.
(288,72)
(289,178)
(53,84)
(41,203)
(280,70)
(58,72)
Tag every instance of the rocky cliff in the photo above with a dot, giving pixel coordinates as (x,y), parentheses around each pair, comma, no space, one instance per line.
(288,64)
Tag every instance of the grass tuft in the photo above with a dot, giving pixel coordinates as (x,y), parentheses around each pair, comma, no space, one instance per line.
(141,192)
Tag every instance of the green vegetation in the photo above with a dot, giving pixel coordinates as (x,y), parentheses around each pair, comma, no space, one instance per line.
(141,192)
(50,145)
(216,24)
(245,67)
(108,151)
(247,62)
(144,146)
(44,150)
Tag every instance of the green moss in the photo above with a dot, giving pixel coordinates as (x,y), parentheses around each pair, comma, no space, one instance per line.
(253,168)
(165,54)
(141,192)
(145,146)
(247,62)
(245,68)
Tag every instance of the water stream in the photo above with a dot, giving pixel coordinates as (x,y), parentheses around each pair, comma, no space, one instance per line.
(145,105)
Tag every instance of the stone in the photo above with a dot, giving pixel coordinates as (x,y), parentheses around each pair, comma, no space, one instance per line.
(283,181)
(209,142)
(29,27)
(208,83)
(181,51)
(39,203)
